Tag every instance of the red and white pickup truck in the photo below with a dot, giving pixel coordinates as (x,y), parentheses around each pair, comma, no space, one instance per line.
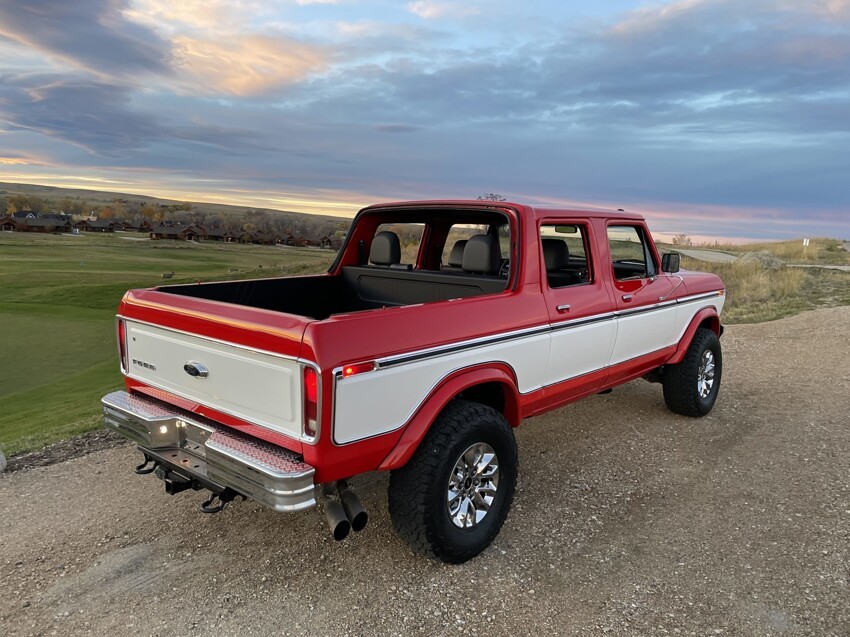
(440,326)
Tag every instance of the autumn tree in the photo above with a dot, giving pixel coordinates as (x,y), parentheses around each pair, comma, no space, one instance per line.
(17,203)
(119,210)
(36,204)
(152,213)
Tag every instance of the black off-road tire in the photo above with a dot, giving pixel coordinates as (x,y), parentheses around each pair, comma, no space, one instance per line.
(680,382)
(418,491)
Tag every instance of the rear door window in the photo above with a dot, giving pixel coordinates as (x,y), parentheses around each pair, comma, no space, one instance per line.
(565,253)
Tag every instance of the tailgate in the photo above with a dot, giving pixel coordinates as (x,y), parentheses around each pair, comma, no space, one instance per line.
(256,386)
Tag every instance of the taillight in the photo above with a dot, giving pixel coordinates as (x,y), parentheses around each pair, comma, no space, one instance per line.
(311,402)
(122,346)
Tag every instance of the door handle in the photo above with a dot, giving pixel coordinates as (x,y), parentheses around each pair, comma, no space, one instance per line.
(627,297)
(563,308)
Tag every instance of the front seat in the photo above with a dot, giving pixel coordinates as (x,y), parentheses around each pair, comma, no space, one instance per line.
(556,256)
(456,256)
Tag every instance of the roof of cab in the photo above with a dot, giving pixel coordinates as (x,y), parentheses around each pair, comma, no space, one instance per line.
(538,212)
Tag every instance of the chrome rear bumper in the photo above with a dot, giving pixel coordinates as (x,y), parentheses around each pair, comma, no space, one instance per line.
(210,453)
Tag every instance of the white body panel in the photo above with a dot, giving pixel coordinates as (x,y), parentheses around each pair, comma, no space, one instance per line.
(580,350)
(258,387)
(647,332)
(383,400)
(377,402)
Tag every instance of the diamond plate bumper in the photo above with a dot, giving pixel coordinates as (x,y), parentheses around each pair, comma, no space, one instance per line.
(210,453)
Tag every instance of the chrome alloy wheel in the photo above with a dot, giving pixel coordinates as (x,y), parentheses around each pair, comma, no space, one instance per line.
(705,375)
(472,485)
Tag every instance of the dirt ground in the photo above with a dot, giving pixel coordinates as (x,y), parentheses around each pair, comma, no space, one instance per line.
(628,520)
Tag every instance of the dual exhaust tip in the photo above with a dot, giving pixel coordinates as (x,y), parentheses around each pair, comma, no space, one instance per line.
(344,513)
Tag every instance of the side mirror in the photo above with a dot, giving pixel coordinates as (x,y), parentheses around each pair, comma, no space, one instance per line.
(670,262)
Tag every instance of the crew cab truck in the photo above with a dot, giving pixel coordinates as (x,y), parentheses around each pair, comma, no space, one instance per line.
(440,327)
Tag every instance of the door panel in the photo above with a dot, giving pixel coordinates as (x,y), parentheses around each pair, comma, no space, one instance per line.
(647,318)
(578,301)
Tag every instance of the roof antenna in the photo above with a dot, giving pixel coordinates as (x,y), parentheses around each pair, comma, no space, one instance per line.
(620,210)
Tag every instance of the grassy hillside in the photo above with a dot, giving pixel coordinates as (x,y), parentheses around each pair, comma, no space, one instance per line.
(764,285)
(58,296)
(755,293)
(819,251)
(98,198)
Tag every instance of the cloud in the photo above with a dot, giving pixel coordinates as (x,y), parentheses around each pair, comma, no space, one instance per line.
(14,159)
(184,43)
(101,118)
(197,16)
(245,65)
(89,113)
(91,34)
(432,9)
(397,128)
(701,106)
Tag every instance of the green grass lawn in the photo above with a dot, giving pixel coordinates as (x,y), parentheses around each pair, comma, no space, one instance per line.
(58,296)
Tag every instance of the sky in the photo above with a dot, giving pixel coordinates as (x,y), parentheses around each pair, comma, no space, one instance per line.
(714,118)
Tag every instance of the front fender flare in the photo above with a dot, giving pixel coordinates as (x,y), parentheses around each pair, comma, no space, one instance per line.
(699,318)
(441,395)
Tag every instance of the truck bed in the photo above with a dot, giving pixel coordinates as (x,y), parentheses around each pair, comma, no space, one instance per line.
(356,289)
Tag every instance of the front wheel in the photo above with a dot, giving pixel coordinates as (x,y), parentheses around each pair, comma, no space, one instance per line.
(451,499)
(691,386)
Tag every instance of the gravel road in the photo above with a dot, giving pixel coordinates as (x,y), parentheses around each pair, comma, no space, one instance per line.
(713,256)
(628,520)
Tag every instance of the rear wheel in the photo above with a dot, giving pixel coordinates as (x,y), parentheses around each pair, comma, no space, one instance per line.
(451,499)
(690,387)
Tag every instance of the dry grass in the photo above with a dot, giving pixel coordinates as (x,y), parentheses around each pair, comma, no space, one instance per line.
(826,251)
(755,293)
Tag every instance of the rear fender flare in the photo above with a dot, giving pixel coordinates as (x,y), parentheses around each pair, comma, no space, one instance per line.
(707,314)
(445,392)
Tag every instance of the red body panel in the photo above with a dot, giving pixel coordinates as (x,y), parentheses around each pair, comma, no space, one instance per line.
(369,335)
(275,332)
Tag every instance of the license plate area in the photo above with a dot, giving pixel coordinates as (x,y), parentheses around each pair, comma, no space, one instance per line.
(180,435)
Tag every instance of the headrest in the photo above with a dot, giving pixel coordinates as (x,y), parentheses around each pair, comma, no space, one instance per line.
(556,254)
(386,249)
(482,254)
(456,255)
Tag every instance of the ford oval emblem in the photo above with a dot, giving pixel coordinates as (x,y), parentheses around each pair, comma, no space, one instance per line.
(196,369)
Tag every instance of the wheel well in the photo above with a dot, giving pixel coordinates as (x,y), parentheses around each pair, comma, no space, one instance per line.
(490,394)
(712,323)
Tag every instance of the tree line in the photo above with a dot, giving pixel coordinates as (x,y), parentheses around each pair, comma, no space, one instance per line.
(180,213)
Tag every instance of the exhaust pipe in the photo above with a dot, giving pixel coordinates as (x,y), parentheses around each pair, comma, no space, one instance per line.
(337,520)
(353,509)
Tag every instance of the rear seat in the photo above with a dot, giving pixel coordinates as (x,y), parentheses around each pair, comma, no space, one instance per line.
(382,284)
(482,255)
(386,251)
